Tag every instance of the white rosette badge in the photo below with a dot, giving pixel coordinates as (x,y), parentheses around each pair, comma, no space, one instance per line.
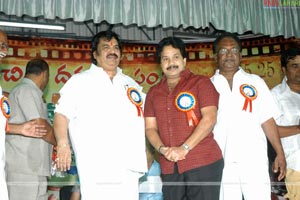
(136,99)
(250,94)
(185,102)
(6,110)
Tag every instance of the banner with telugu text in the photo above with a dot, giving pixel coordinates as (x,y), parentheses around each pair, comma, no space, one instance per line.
(66,57)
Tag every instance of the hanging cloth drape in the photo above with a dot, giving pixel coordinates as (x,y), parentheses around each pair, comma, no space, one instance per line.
(231,15)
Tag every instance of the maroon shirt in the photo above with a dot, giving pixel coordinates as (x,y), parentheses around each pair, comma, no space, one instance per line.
(173,124)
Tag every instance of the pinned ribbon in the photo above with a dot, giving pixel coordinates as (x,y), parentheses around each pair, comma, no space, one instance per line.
(6,111)
(250,93)
(135,98)
(185,102)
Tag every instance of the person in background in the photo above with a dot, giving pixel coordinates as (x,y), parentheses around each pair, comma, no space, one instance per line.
(180,112)
(75,193)
(28,159)
(102,108)
(29,129)
(287,97)
(245,118)
(71,192)
(150,183)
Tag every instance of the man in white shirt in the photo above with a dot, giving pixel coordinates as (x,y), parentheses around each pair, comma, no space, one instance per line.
(287,97)
(102,110)
(244,120)
(29,129)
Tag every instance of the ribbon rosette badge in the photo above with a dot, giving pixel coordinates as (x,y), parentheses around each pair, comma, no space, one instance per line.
(185,102)
(135,98)
(5,107)
(250,93)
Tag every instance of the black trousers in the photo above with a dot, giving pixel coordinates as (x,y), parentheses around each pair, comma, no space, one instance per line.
(202,183)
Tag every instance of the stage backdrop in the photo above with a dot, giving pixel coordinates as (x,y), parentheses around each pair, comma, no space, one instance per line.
(67,57)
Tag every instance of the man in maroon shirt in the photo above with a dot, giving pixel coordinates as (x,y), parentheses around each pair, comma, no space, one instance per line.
(180,112)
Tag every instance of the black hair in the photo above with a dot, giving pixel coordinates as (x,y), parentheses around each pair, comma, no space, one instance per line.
(36,66)
(107,35)
(175,42)
(289,54)
(227,35)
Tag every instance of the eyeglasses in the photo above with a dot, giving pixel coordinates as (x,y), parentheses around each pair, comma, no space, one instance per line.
(233,51)
(4,46)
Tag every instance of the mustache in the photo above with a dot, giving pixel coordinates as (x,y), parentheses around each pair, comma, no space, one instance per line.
(2,55)
(229,59)
(113,54)
(172,66)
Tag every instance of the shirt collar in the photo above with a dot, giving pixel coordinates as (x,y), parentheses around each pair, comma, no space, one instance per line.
(238,71)
(97,68)
(30,82)
(284,86)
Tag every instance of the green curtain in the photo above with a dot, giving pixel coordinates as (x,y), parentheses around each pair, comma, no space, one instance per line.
(230,15)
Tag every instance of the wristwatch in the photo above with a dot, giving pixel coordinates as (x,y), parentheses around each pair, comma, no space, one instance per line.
(186,147)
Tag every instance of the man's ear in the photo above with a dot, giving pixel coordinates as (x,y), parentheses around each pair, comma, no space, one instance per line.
(283,70)
(45,74)
(216,57)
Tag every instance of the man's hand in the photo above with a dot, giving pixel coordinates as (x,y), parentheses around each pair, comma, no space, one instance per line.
(64,157)
(174,154)
(279,166)
(33,129)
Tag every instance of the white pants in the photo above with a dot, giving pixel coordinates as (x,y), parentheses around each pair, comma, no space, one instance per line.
(3,188)
(125,188)
(252,182)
